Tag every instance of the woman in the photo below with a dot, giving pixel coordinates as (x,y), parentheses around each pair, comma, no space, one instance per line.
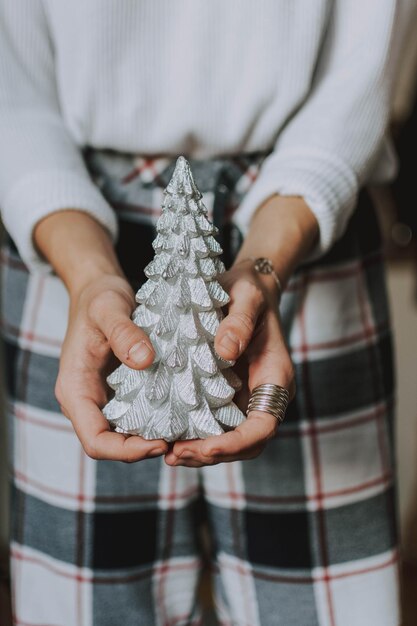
(281,109)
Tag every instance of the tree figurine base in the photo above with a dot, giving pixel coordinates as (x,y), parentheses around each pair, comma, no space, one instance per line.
(187,392)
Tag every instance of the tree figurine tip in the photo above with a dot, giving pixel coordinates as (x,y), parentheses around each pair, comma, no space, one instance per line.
(182,181)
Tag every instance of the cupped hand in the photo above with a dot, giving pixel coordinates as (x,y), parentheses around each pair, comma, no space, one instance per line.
(252,332)
(99,327)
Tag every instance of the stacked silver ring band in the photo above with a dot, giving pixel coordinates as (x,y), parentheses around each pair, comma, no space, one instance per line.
(271,399)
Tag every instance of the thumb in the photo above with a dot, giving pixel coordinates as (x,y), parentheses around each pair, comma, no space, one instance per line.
(237,328)
(130,344)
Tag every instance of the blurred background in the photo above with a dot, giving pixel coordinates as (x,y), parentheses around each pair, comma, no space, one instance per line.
(397,207)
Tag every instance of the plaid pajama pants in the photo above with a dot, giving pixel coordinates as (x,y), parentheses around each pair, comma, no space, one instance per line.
(304,535)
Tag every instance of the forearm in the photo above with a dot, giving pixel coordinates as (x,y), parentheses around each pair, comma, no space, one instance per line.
(78,248)
(284,230)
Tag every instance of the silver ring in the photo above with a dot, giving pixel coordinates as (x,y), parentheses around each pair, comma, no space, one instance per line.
(269,398)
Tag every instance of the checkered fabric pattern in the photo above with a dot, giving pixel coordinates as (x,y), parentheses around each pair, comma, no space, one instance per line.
(304,535)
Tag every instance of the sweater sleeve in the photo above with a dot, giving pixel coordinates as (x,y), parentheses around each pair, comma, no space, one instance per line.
(326,152)
(42,170)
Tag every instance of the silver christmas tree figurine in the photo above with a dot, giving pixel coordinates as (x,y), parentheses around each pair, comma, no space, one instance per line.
(187,392)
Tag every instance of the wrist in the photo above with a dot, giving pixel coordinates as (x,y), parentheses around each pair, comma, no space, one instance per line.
(94,270)
(78,248)
(265,274)
(284,230)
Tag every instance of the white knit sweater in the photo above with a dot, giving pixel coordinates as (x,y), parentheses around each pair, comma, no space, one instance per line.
(308,78)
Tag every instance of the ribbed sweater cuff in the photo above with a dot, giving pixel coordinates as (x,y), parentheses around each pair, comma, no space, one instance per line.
(42,193)
(327,185)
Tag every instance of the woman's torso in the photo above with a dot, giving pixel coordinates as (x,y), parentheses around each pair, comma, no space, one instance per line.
(196,77)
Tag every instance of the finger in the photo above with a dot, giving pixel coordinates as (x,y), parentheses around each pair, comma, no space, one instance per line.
(187,459)
(99,442)
(268,357)
(243,442)
(131,345)
(236,330)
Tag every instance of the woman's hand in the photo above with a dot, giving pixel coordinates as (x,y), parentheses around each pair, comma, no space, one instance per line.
(100,327)
(283,229)
(252,329)
(101,302)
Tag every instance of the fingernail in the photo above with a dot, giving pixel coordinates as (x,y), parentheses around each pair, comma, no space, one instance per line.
(139,352)
(231,343)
